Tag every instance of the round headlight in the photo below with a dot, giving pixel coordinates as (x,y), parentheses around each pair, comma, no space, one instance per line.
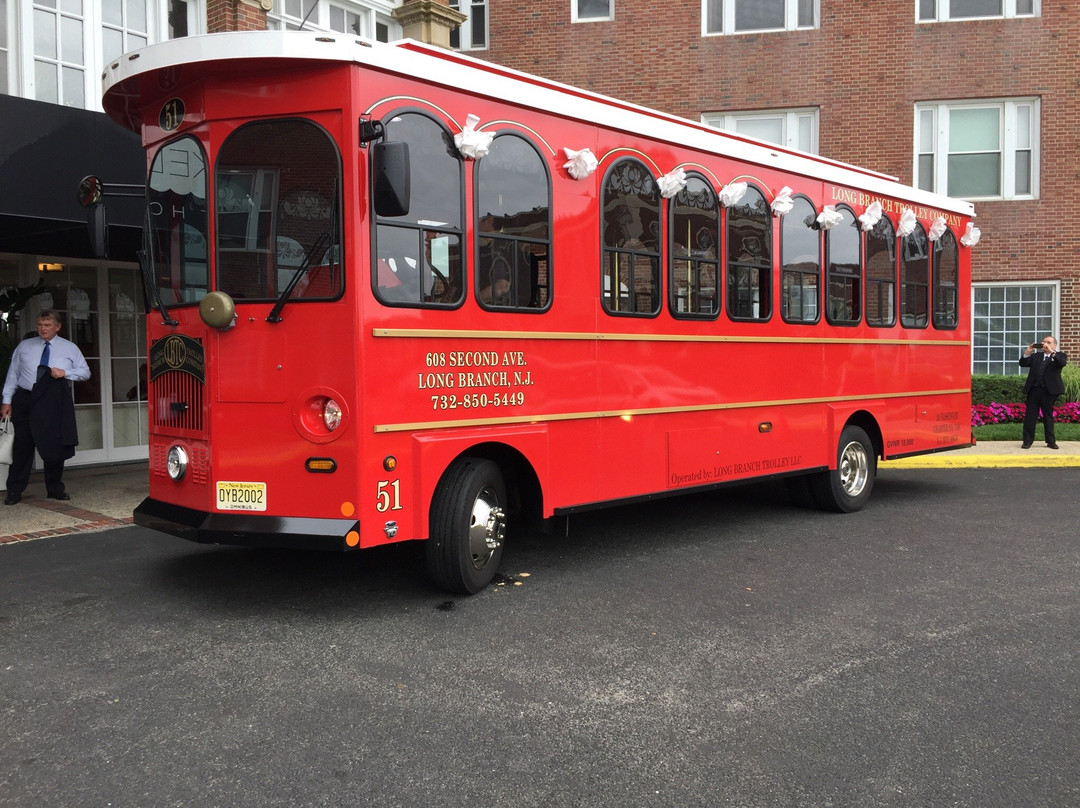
(331,414)
(176,462)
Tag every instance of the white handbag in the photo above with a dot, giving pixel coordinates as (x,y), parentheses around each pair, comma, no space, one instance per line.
(7,441)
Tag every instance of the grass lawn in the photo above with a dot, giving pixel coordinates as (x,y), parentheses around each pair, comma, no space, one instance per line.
(1014,432)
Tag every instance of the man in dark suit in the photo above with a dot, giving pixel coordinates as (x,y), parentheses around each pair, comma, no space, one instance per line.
(1043,385)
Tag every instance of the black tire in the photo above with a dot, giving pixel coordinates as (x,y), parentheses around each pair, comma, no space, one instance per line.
(847,488)
(467,526)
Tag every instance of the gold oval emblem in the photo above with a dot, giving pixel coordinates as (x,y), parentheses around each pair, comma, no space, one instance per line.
(175,352)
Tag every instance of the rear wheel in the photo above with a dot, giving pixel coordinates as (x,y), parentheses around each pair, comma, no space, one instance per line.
(847,487)
(468,526)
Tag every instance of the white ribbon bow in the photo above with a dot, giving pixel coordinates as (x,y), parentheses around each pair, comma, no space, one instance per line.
(581,163)
(782,203)
(470,143)
(871,216)
(829,217)
(907,223)
(971,235)
(671,183)
(730,194)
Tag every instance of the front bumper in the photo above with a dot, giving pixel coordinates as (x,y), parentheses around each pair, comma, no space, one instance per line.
(245,529)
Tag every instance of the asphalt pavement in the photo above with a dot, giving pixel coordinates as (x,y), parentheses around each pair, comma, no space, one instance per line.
(104,497)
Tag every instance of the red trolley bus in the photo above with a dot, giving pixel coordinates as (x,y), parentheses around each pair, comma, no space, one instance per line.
(398,293)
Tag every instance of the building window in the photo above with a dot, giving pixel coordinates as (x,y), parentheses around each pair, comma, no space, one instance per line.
(694,250)
(5,71)
(631,239)
(179,13)
(1007,318)
(59,54)
(358,19)
(589,10)
(978,150)
(791,128)
(124,27)
(747,16)
(749,257)
(843,270)
(800,253)
(944,10)
(513,228)
(473,33)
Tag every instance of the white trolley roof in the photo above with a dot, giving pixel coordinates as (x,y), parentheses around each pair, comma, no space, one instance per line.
(458,71)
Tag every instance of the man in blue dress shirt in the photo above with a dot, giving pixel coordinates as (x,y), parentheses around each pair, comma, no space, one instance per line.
(37,398)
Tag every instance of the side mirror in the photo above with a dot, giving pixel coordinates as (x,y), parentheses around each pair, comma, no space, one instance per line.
(391,188)
(90,191)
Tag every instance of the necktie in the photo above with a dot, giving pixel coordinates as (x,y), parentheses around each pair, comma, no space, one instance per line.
(43,365)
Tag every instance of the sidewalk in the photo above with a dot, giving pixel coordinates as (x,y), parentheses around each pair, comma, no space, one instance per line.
(104,497)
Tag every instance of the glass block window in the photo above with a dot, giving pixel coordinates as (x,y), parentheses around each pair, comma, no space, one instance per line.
(1008,317)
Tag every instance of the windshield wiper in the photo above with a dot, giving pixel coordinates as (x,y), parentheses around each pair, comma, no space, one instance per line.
(317,249)
(146,264)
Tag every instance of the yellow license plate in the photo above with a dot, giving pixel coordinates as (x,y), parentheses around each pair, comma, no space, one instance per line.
(234,496)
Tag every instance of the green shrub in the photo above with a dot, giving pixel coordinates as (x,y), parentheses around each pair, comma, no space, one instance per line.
(991,389)
(1070,374)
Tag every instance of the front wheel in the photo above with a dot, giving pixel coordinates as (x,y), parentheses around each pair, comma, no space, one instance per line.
(847,487)
(467,526)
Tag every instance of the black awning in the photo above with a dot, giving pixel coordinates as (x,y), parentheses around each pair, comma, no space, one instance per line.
(45,149)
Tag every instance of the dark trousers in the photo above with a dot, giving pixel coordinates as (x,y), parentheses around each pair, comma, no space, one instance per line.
(22,460)
(1039,398)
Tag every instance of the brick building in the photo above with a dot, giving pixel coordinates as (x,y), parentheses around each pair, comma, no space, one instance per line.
(973,98)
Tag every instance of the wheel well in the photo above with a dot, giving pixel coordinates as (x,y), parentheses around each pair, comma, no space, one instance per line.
(868,423)
(522,484)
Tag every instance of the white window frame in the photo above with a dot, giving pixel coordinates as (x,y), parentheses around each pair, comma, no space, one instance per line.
(790,119)
(1010,140)
(374,13)
(465,30)
(22,80)
(943,12)
(791,19)
(7,9)
(575,18)
(1025,338)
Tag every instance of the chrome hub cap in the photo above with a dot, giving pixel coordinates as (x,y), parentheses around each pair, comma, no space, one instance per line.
(854,469)
(487,528)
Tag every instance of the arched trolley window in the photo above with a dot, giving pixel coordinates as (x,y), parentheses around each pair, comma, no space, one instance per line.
(631,241)
(694,233)
(177,221)
(513,226)
(946,281)
(915,279)
(417,257)
(800,254)
(843,270)
(277,205)
(881,274)
(749,257)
